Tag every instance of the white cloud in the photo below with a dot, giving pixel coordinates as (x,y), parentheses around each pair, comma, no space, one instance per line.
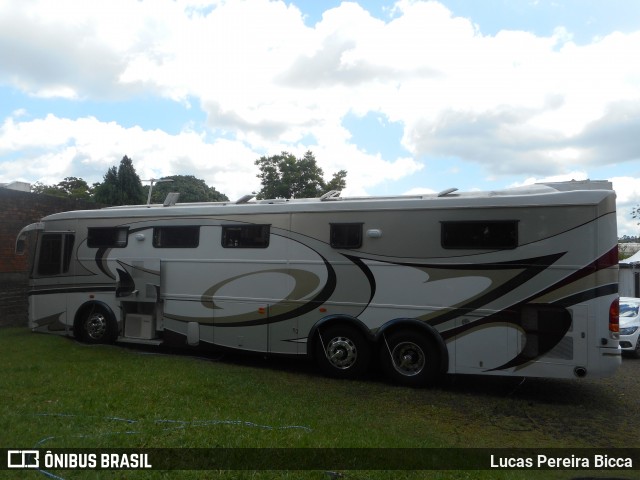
(628,198)
(567,177)
(515,103)
(87,147)
(420,191)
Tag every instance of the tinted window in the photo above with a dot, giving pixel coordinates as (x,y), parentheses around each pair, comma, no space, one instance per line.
(55,253)
(480,234)
(176,237)
(245,236)
(110,237)
(346,235)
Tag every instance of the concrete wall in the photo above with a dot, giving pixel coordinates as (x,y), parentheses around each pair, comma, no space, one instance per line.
(18,209)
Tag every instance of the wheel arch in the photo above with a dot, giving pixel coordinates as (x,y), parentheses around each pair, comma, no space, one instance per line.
(420,326)
(336,319)
(85,309)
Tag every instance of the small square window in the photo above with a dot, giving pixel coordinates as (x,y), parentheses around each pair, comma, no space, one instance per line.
(176,237)
(346,235)
(245,236)
(490,234)
(109,237)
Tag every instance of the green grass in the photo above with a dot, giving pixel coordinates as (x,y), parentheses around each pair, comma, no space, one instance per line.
(57,393)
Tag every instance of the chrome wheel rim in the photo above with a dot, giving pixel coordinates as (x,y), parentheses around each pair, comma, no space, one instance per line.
(408,359)
(342,352)
(96,326)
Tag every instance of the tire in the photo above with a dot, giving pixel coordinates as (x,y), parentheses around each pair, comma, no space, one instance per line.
(342,351)
(410,358)
(636,352)
(98,326)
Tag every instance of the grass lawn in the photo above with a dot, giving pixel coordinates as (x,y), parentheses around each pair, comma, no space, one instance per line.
(57,393)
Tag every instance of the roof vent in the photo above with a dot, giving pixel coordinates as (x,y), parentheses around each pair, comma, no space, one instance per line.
(330,195)
(446,192)
(172,198)
(245,198)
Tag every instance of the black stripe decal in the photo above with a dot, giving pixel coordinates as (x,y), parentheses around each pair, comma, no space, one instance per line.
(532,268)
(367,273)
(86,289)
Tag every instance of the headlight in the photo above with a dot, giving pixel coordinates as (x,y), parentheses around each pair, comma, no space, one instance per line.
(628,330)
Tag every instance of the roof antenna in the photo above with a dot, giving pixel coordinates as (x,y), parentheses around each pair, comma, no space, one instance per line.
(155,180)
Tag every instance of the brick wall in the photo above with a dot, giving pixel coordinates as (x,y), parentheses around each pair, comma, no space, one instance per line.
(18,209)
(13,301)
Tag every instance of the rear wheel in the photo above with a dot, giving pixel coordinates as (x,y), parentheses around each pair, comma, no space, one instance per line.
(98,326)
(410,358)
(342,351)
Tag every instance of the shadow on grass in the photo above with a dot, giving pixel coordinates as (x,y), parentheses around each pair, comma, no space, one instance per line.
(599,392)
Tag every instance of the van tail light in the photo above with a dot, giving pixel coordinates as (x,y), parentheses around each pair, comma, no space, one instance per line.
(614,318)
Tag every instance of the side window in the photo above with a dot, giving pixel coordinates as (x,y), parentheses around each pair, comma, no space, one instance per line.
(176,237)
(493,234)
(245,236)
(107,237)
(346,235)
(55,254)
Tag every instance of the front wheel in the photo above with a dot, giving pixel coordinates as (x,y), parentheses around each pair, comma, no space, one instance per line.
(342,351)
(410,358)
(98,326)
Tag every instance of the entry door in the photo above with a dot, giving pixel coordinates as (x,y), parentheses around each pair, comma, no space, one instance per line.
(185,310)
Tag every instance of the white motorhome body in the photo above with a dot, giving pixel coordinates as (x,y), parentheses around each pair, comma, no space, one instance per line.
(515,282)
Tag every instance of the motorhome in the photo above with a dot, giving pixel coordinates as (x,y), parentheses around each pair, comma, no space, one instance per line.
(521,281)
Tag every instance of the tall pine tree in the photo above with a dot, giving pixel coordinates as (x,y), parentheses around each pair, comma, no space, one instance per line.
(121,186)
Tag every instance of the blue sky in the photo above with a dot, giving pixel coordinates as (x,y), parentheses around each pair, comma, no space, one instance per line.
(408,96)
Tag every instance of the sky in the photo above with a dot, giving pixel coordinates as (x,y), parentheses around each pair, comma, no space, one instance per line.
(407,96)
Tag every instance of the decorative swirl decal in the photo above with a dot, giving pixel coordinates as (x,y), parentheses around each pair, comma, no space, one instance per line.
(52,322)
(545,338)
(126,285)
(101,262)
(306,283)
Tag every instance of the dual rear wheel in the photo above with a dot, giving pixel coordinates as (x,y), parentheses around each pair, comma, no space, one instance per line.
(342,351)
(407,356)
(410,358)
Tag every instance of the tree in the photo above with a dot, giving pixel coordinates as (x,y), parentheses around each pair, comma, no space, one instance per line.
(107,191)
(285,176)
(121,186)
(76,188)
(628,239)
(70,187)
(43,189)
(191,189)
(130,185)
